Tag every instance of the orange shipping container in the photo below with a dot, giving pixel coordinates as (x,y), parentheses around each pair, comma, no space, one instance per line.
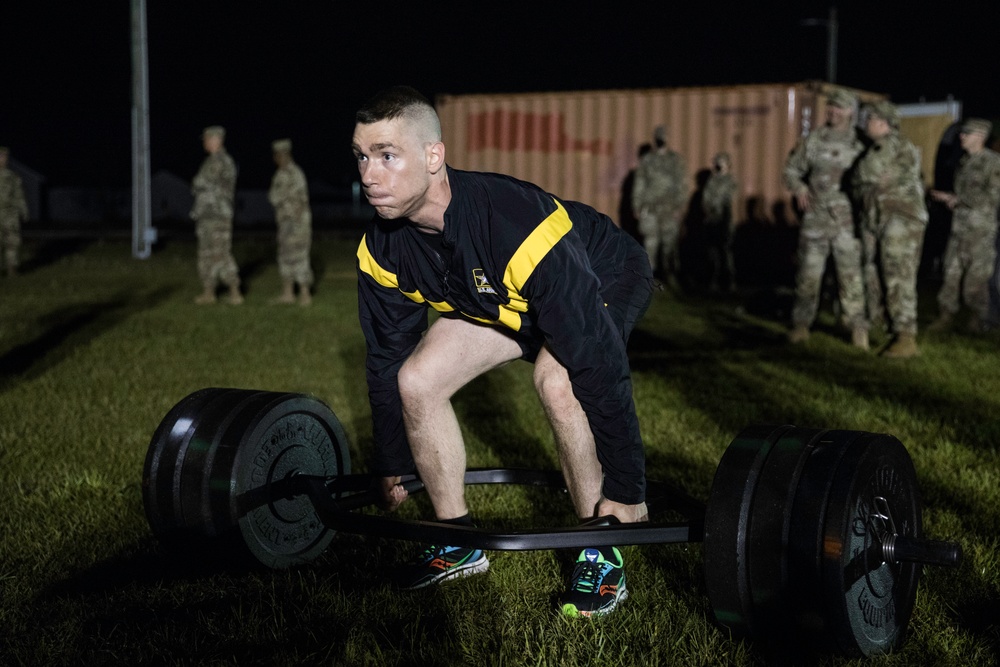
(583,145)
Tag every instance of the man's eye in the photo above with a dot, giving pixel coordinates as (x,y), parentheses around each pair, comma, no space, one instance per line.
(388,157)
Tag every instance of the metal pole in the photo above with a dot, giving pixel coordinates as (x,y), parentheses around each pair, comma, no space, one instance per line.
(831,46)
(831,41)
(143,233)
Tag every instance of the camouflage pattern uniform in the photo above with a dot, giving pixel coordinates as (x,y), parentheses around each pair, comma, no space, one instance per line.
(971,249)
(816,165)
(214,190)
(289,195)
(658,198)
(717,207)
(893,219)
(13,211)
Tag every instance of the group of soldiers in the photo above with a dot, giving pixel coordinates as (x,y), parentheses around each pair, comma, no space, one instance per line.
(863,203)
(214,189)
(659,199)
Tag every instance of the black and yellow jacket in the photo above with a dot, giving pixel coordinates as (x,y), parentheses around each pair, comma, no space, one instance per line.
(513,256)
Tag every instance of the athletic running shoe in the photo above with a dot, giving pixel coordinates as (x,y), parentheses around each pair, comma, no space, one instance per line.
(597,584)
(436,564)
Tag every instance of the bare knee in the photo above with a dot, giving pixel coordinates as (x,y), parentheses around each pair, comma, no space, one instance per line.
(416,388)
(555,390)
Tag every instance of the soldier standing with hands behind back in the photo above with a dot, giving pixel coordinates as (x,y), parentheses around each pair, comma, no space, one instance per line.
(717,207)
(971,249)
(214,190)
(289,195)
(658,198)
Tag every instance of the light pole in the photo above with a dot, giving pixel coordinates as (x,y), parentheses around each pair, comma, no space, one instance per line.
(831,42)
(143,232)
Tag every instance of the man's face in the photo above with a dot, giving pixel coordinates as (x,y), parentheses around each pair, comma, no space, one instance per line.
(838,117)
(876,127)
(972,141)
(281,158)
(392,161)
(211,142)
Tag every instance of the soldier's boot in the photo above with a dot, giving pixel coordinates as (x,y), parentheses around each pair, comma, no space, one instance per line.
(942,324)
(859,338)
(207,295)
(235,298)
(904,347)
(305,295)
(287,293)
(798,334)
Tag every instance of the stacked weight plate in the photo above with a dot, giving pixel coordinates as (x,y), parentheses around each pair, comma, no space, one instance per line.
(793,539)
(220,465)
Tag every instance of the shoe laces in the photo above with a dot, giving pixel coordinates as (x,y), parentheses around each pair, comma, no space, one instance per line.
(588,577)
(428,554)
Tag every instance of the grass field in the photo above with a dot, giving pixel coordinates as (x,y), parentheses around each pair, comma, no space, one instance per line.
(95,348)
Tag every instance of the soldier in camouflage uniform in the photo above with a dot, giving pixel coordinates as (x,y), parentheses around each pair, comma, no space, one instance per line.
(658,198)
(717,208)
(289,195)
(894,216)
(971,250)
(214,189)
(13,211)
(814,172)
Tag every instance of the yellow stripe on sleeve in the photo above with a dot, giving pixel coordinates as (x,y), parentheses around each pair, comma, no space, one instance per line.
(533,249)
(389,279)
(368,264)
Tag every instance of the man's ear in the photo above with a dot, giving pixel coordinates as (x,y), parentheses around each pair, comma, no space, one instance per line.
(435,157)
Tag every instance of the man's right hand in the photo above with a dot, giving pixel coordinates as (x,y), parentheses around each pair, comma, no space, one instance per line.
(804,200)
(393,493)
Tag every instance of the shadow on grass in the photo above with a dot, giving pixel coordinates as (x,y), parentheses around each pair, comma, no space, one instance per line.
(49,252)
(164,608)
(68,328)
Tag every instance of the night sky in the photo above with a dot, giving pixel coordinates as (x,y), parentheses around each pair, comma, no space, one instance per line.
(299,69)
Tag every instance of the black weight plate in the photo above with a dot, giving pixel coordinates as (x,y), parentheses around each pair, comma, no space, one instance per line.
(291,434)
(805,544)
(164,459)
(769,531)
(216,421)
(727,517)
(869,601)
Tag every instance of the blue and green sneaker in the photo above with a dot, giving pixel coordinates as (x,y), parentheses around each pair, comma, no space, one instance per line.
(436,564)
(597,584)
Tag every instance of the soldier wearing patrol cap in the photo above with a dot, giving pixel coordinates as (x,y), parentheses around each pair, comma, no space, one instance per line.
(970,255)
(813,173)
(658,198)
(13,211)
(214,190)
(893,219)
(717,208)
(289,195)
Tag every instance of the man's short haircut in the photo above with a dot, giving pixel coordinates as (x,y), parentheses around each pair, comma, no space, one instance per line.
(401,102)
